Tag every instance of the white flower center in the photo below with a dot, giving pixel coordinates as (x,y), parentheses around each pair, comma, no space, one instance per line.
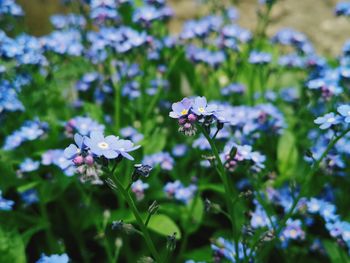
(103,145)
(331,119)
(349,112)
(201,109)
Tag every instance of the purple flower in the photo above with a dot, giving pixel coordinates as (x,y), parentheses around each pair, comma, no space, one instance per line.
(327,120)
(181,108)
(73,150)
(344,110)
(200,107)
(102,146)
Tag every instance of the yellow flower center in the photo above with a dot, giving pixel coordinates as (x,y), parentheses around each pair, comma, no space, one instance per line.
(103,145)
(293,233)
(201,109)
(184,112)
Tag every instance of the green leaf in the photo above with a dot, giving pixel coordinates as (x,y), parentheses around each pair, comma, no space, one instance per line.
(200,254)
(26,187)
(287,155)
(335,253)
(11,246)
(212,187)
(156,142)
(195,209)
(163,225)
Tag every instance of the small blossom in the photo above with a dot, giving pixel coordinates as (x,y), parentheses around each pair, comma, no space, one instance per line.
(181,108)
(74,149)
(103,146)
(344,110)
(53,259)
(201,108)
(5,205)
(327,120)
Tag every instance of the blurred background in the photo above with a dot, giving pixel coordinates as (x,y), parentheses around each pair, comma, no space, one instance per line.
(313,17)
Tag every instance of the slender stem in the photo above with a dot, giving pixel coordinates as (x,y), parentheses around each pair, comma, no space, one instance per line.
(188,222)
(148,219)
(138,218)
(229,193)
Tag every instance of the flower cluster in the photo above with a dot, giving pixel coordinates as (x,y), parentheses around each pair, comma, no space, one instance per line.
(332,119)
(235,154)
(87,150)
(180,192)
(30,131)
(191,111)
(83,126)
(9,7)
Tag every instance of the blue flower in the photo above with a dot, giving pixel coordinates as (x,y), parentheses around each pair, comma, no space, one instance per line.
(75,149)
(29,165)
(256,57)
(83,125)
(201,108)
(179,192)
(30,197)
(53,259)
(259,218)
(327,120)
(102,146)
(181,108)
(139,187)
(344,110)
(293,230)
(5,205)
(163,159)
(342,9)
(125,146)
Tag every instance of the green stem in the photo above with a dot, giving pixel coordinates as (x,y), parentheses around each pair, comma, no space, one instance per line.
(138,218)
(188,222)
(49,236)
(229,193)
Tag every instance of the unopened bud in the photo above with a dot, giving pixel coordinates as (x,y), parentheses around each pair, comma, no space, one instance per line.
(145,260)
(246,194)
(153,208)
(78,160)
(211,207)
(121,226)
(118,243)
(171,242)
(141,170)
(89,160)
(182,121)
(191,117)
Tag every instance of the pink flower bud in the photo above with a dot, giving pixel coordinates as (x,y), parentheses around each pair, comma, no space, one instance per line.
(89,160)
(182,121)
(192,117)
(78,160)
(187,125)
(81,169)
